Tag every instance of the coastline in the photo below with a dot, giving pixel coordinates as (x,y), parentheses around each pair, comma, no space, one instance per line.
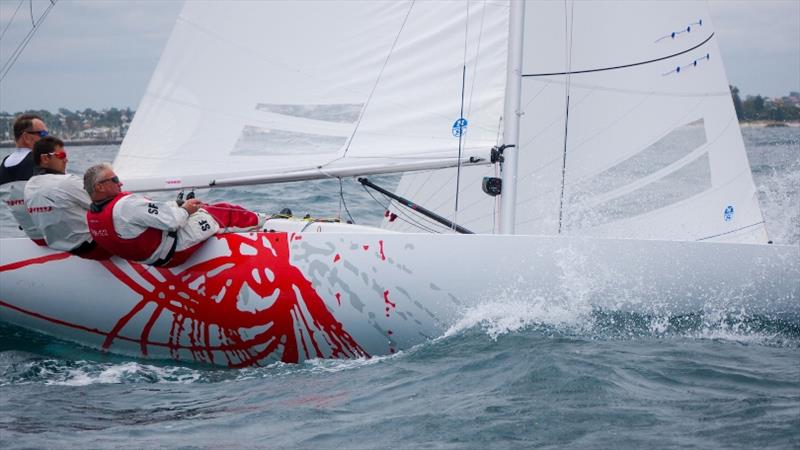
(73,143)
(769,124)
(84,142)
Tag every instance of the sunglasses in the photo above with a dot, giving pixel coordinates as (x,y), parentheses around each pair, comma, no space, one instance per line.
(60,154)
(114,179)
(43,133)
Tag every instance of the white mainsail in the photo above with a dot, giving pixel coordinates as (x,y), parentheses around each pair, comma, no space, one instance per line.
(627,128)
(277,91)
(652,143)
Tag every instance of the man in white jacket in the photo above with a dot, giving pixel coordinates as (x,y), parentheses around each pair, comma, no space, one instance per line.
(136,228)
(17,168)
(57,203)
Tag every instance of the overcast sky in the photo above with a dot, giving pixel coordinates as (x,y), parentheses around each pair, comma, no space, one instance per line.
(101,53)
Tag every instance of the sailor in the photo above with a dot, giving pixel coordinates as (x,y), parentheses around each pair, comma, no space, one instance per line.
(57,202)
(136,228)
(17,168)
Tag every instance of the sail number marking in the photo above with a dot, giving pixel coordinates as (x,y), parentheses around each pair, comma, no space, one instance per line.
(460,127)
(728,213)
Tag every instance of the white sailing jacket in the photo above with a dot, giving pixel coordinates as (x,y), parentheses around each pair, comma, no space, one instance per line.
(133,214)
(57,205)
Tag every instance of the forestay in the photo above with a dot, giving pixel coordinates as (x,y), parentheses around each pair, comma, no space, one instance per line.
(635,95)
(250,92)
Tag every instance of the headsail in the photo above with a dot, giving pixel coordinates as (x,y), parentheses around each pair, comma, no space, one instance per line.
(628,131)
(268,91)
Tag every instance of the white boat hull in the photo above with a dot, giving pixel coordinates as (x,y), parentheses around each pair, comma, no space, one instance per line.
(252,298)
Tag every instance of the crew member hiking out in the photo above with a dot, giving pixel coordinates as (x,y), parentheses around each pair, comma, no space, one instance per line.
(136,228)
(17,168)
(57,202)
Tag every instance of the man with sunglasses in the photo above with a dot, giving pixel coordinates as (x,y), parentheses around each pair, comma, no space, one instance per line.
(163,234)
(17,168)
(58,204)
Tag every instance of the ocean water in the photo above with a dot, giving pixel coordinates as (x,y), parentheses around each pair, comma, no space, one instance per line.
(503,377)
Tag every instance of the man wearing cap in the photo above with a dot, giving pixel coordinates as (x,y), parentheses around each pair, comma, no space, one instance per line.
(57,202)
(164,234)
(17,168)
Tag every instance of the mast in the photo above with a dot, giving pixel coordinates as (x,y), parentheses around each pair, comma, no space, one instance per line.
(512,114)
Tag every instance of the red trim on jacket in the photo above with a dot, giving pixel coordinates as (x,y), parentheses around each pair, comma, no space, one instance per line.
(101,225)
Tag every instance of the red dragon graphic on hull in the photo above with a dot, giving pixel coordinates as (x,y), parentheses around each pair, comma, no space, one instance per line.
(202,302)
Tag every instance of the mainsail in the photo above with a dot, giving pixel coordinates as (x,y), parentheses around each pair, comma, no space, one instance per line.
(627,126)
(278,91)
(627,130)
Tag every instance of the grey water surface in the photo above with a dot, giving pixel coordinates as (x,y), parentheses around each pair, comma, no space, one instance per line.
(501,378)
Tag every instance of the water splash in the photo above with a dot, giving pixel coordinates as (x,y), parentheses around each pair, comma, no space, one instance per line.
(516,309)
(780,201)
(576,318)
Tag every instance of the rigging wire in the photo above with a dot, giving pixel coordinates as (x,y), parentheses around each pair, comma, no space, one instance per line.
(10,21)
(386,207)
(416,220)
(623,66)
(343,202)
(26,40)
(731,231)
(460,141)
(568,55)
(411,221)
(420,221)
(477,59)
(461,116)
(377,80)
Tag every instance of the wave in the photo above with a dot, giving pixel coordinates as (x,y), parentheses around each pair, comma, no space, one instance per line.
(27,357)
(499,317)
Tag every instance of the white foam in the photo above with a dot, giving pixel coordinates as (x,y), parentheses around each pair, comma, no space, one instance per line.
(516,312)
(516,307)
(780,201)
(339,365)
(88,373)
(733,327)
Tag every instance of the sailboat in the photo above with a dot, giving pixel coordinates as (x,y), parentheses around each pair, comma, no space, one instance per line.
(554,138)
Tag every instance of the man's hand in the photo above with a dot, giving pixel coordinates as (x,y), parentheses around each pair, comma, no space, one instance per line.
(191,206)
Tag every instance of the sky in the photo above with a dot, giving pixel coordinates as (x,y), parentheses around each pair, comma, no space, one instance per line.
(100,53)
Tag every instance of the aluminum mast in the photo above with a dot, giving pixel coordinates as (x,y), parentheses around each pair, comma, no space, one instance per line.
(512,114)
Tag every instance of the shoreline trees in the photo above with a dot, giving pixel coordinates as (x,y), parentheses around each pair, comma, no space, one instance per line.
(112,123)
(758,108)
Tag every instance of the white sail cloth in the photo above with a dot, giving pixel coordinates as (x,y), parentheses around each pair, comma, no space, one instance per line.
(278,91)
(635,95)
(627,128)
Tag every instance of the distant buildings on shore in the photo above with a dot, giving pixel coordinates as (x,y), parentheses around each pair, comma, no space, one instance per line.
(758,108)
(87,127)
(109,126)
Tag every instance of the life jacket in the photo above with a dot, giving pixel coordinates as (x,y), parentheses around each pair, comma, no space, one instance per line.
(20,172)
(12,187)
(101,225)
